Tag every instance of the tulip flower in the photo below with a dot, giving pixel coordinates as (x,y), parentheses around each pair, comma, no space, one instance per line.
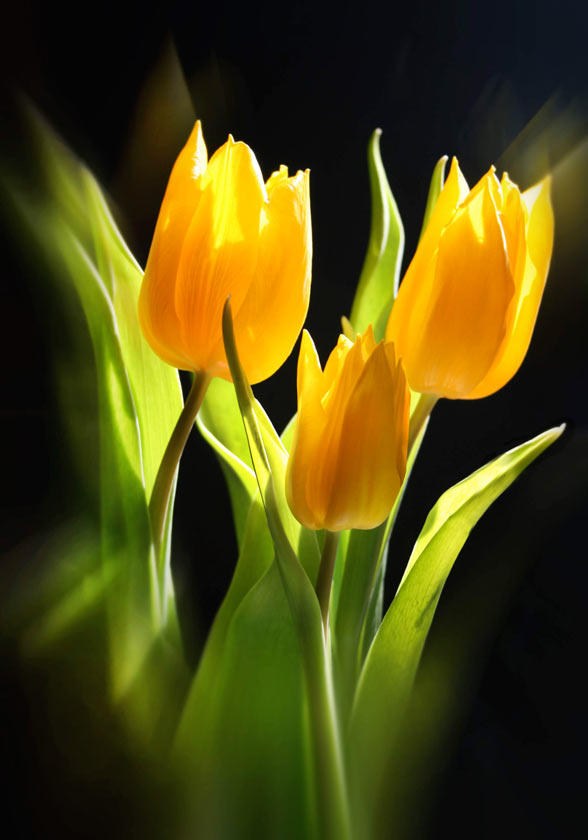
(348,457)
(465,312)
(222,232)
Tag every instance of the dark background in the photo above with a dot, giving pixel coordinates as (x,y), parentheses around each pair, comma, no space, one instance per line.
(305,85)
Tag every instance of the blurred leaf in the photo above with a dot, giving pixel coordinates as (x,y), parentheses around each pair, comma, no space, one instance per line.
(435,188)
(247,742)
(378,283)
(389,671)
(139,397)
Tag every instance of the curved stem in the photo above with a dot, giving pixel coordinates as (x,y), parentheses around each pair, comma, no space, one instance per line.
(325,576)
(422,410)
(167,469)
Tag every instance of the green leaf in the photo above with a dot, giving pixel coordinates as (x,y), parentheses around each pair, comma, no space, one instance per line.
(138,396)
(154,384)
(435,188)
(363,562)
(295,559)
(246,742)
(378,283)
(390,668)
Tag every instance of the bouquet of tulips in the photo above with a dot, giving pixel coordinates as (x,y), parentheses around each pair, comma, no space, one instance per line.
(294,722)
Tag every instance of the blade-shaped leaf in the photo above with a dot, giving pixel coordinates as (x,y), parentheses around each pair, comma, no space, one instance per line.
(269,457)
(378,283)
(362,582)
(246,742)
(139,398)
(390,668)
(435,187)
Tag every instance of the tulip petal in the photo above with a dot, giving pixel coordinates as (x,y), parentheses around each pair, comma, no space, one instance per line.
(268,321)
(530,278)
(157,310)
(219,253)
(455,190)
(335,363)
(375,427)
(405,323)
(308,432)
(320,480)
(465,323)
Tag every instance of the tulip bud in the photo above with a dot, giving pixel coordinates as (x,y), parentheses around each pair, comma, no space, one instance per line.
(348,458)
(465,312)
(222,232)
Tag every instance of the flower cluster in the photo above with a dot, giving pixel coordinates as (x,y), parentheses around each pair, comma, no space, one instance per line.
(461,324)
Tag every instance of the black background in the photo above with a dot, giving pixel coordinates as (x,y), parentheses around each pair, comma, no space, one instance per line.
(305,84)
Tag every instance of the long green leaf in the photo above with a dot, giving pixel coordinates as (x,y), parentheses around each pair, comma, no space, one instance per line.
(378,283)
(138,396)
(244,740)
(362,582)
(268,456)
(390,668)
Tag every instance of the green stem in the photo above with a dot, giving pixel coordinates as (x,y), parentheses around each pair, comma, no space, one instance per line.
(167,469)
(325,576)
(335,820)
(422,410)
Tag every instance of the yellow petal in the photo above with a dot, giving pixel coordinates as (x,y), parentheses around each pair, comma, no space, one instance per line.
(273,311)
(537,200)
(454,192)
(465,323)
(405,322)
(320,480)
(375,427)
(531,275)
(308,433)
(219,252)
(157,310)
(335,363)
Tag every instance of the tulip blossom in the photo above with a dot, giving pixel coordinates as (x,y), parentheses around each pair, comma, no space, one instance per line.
(465,312)
(223,232)
(348,457)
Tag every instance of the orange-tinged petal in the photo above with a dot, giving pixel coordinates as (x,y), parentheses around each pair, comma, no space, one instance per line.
(455,190)
(319,481)
(268,321)
(308,435)
(309,372)
(367,479)
(405,323)
(157,310)
(531,275)
(219,252)
(473,286)
(349,452)
(335,362)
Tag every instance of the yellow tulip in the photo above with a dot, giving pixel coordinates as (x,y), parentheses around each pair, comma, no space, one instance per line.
(465,312)
(221,231)
(348,457)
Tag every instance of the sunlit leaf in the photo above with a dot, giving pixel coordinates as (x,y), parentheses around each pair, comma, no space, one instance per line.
(378,283)
(390,668)
(435,187)
(138,397)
